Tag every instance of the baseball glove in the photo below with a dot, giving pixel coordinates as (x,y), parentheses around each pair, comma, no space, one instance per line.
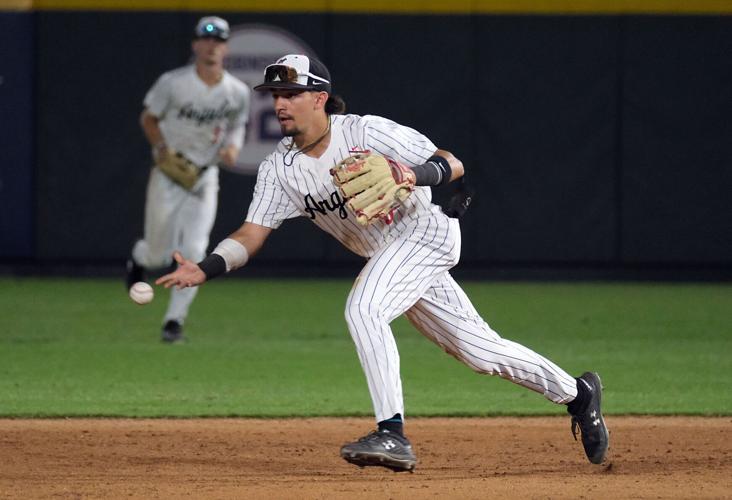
(373,185)
(179,168)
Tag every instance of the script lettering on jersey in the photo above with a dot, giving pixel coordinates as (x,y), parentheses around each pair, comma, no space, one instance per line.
(335,203)
(205,115)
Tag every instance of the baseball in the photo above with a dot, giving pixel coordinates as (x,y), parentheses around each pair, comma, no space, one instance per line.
(141,293)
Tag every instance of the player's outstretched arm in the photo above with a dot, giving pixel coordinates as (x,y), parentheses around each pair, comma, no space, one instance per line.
(232,253)
(188,274)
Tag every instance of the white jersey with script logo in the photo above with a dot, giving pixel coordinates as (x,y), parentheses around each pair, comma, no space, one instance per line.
(291,184)
(197,119)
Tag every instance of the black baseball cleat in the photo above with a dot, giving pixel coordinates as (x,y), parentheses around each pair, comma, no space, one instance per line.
(382,448)
(172,332)
(135,273)
(595,437)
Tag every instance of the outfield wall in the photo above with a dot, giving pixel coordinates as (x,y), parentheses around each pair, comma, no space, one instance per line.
(593,140)
(17,167)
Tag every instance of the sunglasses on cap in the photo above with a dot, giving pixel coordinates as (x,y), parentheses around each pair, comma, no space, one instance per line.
(279,73)
(210,30)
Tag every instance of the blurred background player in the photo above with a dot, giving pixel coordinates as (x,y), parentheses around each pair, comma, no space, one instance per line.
(407,259)
(198,111)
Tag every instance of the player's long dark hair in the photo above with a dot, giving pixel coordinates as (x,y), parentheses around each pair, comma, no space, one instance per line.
(335,105)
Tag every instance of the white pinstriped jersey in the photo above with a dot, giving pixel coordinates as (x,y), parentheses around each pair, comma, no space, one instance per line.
(197,119)
(291,184)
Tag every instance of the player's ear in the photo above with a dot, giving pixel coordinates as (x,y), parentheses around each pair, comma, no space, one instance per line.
(320,100)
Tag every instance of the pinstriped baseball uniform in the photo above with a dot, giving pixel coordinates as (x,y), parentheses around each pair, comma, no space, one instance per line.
(407,267)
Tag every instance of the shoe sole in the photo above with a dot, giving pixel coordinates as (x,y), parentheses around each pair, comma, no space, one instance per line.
(380,460)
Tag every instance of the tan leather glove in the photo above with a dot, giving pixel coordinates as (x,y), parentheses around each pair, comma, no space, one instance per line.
(373,185)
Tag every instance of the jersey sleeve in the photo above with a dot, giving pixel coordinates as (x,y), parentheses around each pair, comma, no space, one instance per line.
(389,138)
(157,98)
(237,123)
(270,205)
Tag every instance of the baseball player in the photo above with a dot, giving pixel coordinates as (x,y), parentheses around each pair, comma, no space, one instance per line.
(409,245)
(194,118)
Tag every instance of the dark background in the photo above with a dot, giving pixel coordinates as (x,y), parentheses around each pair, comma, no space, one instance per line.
(599,144)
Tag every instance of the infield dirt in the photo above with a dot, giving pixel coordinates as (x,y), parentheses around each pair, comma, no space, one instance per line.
(465,458)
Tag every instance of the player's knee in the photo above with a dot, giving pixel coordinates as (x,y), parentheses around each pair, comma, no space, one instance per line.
(148,258)
(359,313)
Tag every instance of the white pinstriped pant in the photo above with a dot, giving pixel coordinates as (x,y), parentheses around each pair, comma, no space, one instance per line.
(410,276)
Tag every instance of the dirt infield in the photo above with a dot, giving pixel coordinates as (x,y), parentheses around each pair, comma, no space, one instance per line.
(458,458)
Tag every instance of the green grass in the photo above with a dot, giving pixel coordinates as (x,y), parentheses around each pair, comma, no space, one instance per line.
(281,348)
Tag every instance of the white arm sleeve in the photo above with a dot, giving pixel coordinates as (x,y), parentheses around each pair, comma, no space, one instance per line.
(237,125)
(235,254)
(157,98)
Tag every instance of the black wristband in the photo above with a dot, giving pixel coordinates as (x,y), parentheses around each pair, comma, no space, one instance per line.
(436,172)
(213,265)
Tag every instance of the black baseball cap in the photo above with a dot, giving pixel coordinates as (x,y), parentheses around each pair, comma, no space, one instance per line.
(296,72)
(212,27)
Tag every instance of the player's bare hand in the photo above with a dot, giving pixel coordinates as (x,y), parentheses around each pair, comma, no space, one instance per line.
(160,153)
(229,155)
(187,275)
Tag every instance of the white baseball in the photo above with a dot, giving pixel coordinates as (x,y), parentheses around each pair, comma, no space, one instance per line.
(141,293)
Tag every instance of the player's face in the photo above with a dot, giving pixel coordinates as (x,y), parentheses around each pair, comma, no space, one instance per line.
(210,51)
(295,110)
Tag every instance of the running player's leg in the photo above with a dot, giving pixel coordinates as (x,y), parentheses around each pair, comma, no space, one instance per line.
(163,200)
(193,221)
(446,316)
(390,283)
